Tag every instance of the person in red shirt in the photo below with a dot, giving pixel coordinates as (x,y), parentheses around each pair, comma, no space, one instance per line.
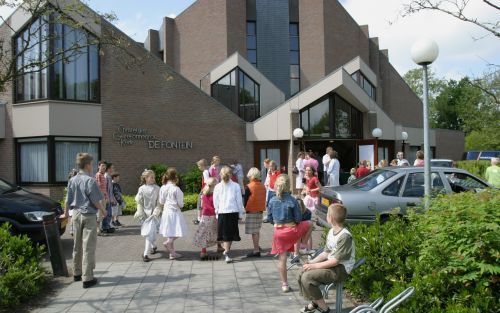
(273,174)
(362,169)
(206,234)
(103,186)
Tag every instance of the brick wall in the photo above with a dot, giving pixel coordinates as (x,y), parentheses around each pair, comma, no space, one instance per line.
(200,39)
(450,144)
(398,100)
(7,149)
(344,38)
(312,42)
(236,27)
(154,97)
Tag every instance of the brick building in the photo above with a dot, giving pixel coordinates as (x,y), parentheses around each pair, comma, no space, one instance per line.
(225,77)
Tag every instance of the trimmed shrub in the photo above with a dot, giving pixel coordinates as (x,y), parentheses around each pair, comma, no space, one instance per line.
(159,170)
(450,254)
(191,180)
(474,167)
(21,272)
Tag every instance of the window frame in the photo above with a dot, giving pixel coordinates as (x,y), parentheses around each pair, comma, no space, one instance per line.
(51,157)
(236,97)
(355,114)
(361,80)
(290,50)
(398,193)
(50,72)
(256,43)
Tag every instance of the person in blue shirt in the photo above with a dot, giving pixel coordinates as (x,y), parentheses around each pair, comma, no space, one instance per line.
(289,228)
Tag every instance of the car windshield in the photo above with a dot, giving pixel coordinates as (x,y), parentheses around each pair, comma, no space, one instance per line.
(5,187)
(372,180)
(442,163)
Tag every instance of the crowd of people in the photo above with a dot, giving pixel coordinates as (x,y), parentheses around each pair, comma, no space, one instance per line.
(224,201)
(96,201)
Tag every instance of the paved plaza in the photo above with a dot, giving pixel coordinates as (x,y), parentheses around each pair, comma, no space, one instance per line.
(126,284)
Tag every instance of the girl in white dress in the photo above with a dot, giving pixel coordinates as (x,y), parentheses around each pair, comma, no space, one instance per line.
(147,202)
(173,224)
(299,180)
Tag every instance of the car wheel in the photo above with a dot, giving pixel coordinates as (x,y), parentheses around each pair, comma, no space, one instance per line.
(384,218)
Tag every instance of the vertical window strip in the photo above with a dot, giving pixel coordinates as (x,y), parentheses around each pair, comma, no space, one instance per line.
(294,58)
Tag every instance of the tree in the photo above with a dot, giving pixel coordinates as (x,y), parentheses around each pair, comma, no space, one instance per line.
(45,15)
(456,9)
(468,105)
(414,79)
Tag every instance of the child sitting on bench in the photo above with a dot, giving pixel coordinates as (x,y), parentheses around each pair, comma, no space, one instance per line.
(333,265)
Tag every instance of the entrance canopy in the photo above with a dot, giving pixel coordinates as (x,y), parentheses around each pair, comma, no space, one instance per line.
(277,124)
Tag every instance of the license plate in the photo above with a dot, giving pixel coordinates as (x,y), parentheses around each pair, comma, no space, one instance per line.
(325,201)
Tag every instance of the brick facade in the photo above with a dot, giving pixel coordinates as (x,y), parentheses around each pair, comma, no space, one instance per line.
(153,96)
(7,152)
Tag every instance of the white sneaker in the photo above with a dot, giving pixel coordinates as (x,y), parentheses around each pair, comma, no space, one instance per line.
(285,288)
(228,259)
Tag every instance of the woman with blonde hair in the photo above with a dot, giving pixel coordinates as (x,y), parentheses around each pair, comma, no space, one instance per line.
(284,212)
(147,205)
(229,210)
(172,223)
(203,167)
(206,234)
(213,171)
(255,204)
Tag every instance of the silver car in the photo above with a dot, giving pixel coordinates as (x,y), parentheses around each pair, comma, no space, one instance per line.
(383,190)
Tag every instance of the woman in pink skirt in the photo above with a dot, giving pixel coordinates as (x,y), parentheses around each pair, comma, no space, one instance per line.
(284,212)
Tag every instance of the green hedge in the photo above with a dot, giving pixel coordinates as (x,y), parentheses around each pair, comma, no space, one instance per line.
(190,201)
(477,168)
(21,273)
(450,254)
(190,181)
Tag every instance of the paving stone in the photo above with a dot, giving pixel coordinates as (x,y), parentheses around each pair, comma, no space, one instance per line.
(126,284)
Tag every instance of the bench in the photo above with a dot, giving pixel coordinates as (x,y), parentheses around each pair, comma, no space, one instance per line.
(340,288)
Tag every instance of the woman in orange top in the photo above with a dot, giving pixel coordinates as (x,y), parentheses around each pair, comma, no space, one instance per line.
(255,203)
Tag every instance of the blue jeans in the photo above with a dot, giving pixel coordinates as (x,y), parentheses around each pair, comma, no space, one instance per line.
(106,221)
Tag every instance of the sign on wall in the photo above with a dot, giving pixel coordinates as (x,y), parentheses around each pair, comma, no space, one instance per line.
(128,136)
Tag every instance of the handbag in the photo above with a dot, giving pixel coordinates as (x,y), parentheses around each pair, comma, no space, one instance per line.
(295,170)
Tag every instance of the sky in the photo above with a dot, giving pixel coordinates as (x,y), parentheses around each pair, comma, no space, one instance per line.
(461,52)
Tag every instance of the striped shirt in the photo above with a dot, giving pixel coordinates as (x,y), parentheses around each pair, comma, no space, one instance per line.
(103,184)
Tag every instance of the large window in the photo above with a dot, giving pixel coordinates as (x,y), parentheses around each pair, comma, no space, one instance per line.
(252,42)
(346,122)
(48,160)
(238,92)
(364,83)
(316,120)
(56,61)
(33,158)
(294,59)
(67,148)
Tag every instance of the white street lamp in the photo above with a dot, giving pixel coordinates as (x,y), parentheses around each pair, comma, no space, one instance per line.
(377,133)
(299,134)
(424,52)
(404,137)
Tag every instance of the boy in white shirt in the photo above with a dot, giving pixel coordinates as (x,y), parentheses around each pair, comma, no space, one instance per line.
(333,265)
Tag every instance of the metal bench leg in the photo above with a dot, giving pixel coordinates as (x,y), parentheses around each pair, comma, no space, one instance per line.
(339,294)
